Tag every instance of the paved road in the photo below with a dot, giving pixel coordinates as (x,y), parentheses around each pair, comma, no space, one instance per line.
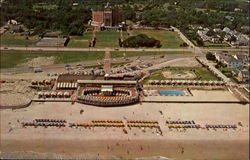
(226,49)
(196,50)
(55,49)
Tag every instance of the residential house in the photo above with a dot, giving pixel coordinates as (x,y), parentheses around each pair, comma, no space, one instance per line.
(233,61)
(243,76)
(217,30)
(215,40)
(230,18)
(202,34)
(226,29)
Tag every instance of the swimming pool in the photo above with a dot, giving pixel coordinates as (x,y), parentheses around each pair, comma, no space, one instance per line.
(171,93)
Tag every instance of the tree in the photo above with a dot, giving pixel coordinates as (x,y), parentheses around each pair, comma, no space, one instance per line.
(210,56)
(210,33)
(199,41)
(141,40)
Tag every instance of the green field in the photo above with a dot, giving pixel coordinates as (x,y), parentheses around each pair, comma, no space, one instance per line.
(80,41)
(103,39)
(114,65)
(132,54)
(228,72)
(11,59)
(216,45)
(44,6)
(201,73)
(168,39)
(9,39)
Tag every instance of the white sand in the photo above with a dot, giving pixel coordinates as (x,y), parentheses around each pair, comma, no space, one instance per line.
(192,144)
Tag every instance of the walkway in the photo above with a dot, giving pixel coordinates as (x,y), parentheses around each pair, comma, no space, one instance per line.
(107,62)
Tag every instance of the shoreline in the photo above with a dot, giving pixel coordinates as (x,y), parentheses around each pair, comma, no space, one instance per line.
(178,149)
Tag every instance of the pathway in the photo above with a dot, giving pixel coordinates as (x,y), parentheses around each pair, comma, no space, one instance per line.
(107,62)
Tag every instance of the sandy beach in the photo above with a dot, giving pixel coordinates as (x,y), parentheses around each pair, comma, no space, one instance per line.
(100,142)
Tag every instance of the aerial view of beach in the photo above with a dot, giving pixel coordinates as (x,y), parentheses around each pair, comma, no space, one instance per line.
(124,79)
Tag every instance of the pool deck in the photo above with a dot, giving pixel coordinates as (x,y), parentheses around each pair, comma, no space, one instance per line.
(200,96)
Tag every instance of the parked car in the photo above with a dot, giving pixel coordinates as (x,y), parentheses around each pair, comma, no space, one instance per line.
(37,70)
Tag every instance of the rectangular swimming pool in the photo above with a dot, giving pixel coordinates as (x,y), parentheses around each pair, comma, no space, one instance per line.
(171,93)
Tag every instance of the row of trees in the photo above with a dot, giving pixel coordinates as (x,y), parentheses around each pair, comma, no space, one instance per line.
(72,19)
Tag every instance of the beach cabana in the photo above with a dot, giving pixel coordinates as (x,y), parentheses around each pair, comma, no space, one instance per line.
(66,94)
(211,83)
(59,94)
(53,94)
(47,94)
(163,82)
(40,94)
(200,82)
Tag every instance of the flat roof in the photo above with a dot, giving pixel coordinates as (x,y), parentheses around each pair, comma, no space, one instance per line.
(106,82)
(108,88)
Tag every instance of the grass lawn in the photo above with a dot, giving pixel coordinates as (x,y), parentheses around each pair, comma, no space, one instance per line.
(107,39)
(103,39)
(80,41)
(95,66)
(44,6)
(8,39)
(119,64)
(132,54)
(168,39)
(228,72)
(216,45)
(9,59)
(201,73)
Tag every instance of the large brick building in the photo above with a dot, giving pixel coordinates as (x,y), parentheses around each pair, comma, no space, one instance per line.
(106,18)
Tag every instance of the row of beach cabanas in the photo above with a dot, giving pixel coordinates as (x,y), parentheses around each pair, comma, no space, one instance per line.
(185,82)
(221,126)
(54,94)
(66,85)
(107,101)
(43,82)
(107,121)
(143,121)
(197,126)
(44,124)
(96,125)
(143,125)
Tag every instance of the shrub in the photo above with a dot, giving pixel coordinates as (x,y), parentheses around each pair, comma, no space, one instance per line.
(210,56)
(141,40)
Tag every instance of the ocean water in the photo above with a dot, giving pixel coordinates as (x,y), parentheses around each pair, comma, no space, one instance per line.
(36,155)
